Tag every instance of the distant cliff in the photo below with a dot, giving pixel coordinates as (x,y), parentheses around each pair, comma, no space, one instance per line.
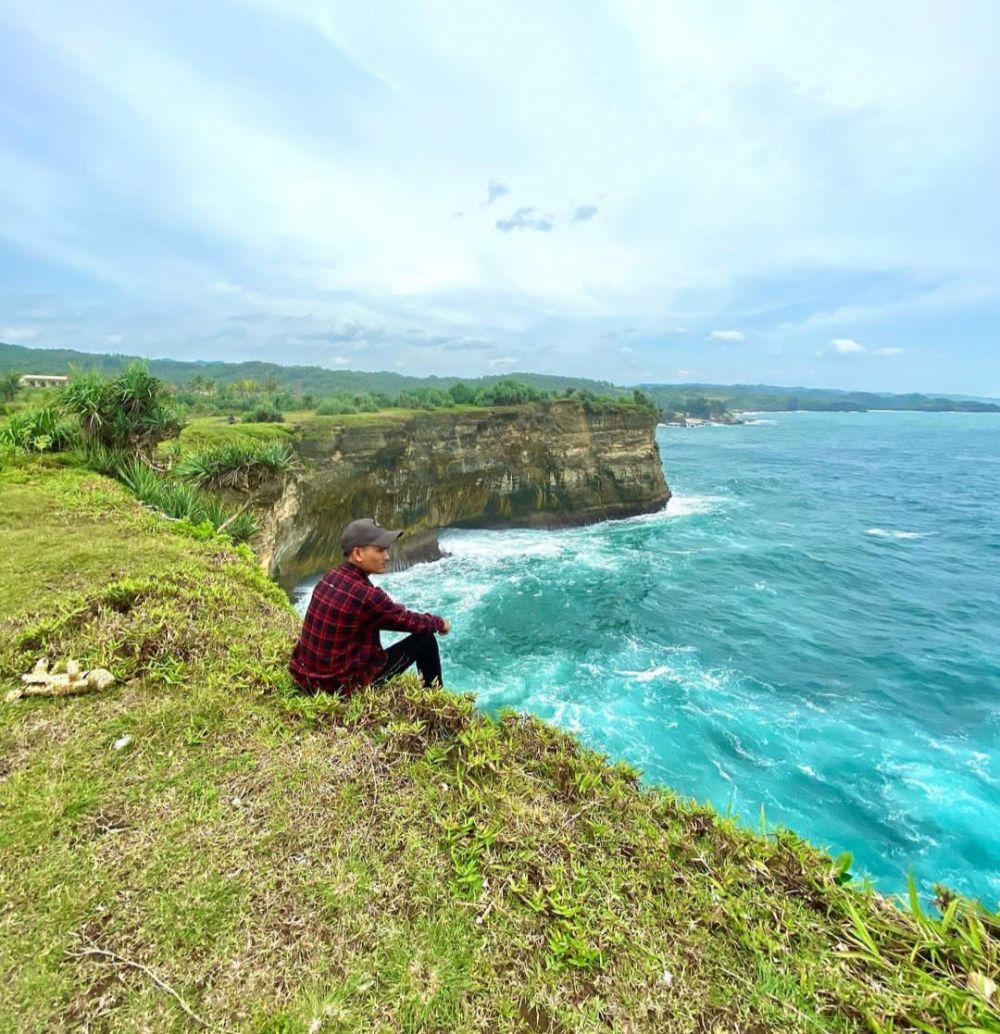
(543,464)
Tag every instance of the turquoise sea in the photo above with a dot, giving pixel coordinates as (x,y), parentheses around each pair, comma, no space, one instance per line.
(812,626)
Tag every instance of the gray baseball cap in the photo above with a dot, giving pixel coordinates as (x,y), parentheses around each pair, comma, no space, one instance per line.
(365,532)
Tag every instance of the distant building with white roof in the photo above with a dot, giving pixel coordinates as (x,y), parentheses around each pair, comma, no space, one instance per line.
(43,380)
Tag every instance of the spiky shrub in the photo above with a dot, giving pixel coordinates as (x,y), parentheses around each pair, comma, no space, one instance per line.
(142,481)
(183,501)
(264,415)
(242,527)
(128,412)
(101,459)
(38,430)
(239,465)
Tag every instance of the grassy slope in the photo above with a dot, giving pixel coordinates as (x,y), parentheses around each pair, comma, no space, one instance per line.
(293,864)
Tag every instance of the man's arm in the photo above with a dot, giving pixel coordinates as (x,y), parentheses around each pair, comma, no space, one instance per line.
(396,618)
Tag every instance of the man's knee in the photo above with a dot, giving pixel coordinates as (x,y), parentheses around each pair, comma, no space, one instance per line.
(423,642)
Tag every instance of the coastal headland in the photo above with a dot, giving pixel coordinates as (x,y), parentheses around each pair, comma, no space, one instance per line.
(541,464)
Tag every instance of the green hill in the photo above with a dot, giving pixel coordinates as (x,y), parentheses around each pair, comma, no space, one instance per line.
(695,399)
(201,846)
(316,380)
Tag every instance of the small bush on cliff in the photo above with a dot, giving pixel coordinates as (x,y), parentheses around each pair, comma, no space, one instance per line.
(344,403)
(508,392)
(265,414)
(239,465)
(425,398)
(642,400)
(184,502)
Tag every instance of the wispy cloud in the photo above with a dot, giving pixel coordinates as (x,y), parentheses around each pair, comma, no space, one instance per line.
(727,336)
(504,360)
(888,352)
(525,219)
(494,190)
(584,213)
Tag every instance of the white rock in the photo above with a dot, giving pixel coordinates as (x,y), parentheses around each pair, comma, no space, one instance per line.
(667,979)
(122,742)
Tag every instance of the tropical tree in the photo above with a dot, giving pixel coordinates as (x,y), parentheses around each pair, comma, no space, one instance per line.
(10,384)
(129,412)
(462,394)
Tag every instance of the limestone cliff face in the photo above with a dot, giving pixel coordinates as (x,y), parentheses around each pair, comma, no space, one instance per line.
(548,464)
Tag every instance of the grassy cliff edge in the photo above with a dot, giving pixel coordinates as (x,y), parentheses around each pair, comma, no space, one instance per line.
(201,846)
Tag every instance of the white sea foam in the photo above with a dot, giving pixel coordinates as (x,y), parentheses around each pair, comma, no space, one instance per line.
(689,505)
(891,533)
(755,423)
(661,671)
(495,545)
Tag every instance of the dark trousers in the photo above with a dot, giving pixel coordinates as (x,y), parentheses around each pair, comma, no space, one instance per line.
(420,648)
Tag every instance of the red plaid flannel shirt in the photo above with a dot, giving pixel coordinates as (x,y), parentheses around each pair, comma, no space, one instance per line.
(339,647)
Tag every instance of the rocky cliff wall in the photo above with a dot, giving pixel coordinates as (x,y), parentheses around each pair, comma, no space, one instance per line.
(549,464)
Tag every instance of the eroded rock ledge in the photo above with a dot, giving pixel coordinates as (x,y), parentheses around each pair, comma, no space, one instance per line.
(548,464)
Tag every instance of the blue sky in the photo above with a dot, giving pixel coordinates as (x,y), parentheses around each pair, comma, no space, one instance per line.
(787,192)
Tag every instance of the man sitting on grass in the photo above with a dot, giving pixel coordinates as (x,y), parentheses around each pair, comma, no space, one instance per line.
(339,649)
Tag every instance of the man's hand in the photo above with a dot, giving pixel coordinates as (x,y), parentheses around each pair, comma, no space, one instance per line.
(447,626)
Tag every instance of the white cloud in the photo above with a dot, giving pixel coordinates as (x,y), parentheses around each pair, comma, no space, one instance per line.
(503,360)
(728,336)
(338,360)
(846,346)
(626,350)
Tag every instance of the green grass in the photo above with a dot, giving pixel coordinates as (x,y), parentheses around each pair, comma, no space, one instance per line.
(395,862)
(211,431)
(204,431)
